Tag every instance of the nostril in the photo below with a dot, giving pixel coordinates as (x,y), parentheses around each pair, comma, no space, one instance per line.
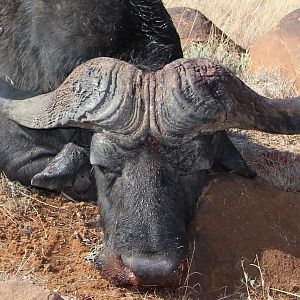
(151,270)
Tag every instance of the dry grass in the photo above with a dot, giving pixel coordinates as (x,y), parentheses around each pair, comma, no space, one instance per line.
(242,21)
(269,83)
(280,169)
(258,289)
(221,52)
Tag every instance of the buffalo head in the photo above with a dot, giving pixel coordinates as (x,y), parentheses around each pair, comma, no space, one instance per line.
(154,136)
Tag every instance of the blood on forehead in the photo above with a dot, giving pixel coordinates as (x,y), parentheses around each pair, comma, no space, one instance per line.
(152,142)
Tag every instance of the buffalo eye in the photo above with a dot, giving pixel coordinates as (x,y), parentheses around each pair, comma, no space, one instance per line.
(108,172)
(105,178)
(106,155)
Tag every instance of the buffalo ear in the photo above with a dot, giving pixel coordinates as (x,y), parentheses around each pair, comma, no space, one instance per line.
(192,156)
(63,170)
(196,155)
(228,157)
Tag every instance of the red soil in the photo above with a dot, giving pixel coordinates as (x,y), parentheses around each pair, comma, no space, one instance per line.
(45,240)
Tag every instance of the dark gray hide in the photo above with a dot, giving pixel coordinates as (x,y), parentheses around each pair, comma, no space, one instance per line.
(41,41)
(154,136)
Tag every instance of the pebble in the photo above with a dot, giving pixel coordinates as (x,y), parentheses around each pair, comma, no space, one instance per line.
(55,296)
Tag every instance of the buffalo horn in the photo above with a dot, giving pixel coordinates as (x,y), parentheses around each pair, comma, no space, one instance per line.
(98,94)
(185,97)
(198,95)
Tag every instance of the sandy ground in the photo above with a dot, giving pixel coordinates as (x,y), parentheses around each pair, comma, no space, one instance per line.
(45,240)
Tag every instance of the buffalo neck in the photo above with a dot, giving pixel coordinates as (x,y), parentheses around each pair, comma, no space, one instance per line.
(159,40)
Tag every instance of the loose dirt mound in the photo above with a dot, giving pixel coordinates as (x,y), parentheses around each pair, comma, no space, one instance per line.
(242,222)
(45,240)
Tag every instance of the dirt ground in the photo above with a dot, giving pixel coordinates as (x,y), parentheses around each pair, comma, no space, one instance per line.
(241,225)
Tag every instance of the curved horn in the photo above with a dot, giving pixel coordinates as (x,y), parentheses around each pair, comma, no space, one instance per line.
(200,96)
(98,94)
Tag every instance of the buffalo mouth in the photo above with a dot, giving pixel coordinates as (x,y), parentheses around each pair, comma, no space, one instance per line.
(142,271)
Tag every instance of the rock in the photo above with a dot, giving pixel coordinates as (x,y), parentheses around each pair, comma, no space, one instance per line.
(14,290)
(194,27)
(55,296)
(241,222)
(280,48)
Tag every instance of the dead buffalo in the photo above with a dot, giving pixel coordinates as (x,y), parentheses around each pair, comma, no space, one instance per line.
(150,137)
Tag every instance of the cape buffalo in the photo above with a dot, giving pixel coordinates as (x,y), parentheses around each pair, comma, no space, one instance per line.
(145,133)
